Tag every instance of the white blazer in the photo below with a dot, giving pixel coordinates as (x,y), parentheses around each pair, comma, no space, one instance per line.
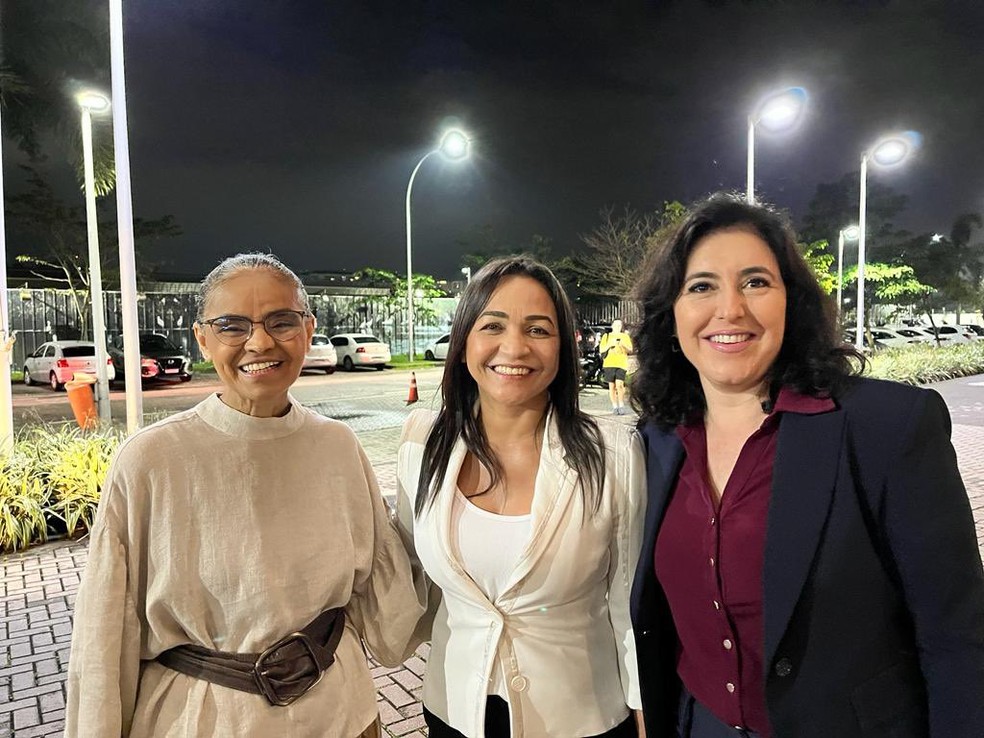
(560,631)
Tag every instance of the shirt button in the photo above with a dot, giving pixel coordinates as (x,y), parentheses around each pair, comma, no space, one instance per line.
(730,687)
(713,520)
(717,605)
(712,561)
(726,643)
(519,683)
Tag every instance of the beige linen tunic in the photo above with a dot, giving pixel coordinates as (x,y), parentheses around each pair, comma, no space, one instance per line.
(229,532)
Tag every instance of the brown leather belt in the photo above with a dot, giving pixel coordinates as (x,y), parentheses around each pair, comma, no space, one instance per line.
(281,673)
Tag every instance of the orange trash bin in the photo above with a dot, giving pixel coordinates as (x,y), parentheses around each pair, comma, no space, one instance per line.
(82,398)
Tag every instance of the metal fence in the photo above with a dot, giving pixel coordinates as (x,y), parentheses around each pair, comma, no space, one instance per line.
(41,315)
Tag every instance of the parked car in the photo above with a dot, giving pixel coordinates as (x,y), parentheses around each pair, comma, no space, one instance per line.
(948,334)
(437,350)
(160,358)
(885,338)
(321,354)
(976,331)
(360,349)
(56,362)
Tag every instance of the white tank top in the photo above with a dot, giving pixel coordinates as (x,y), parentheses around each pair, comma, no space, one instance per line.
(488,547)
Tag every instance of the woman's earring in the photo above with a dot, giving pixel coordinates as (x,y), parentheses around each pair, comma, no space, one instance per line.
(674,344)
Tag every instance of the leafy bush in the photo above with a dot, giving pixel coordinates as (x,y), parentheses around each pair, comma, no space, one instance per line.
(52,481)
(924,363)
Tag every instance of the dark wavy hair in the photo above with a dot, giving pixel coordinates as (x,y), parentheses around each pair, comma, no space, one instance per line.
(579,434)
(812,360)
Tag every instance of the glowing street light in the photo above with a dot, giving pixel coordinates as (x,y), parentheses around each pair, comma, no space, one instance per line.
(467,272)
(93,102)
(845,234)
(776,113)
(888,151)
(454,145)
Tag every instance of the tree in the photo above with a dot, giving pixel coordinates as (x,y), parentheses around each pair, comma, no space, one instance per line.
(820,264)
(425,288)
(617,248)
(49,46)
(835,206)
(954,265)
(489,247)
(887,283)
(60,252)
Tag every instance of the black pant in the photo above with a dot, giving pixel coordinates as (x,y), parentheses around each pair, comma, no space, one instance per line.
(497,723)
(696,721)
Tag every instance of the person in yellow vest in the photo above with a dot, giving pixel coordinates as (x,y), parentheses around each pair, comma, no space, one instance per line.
(615,349)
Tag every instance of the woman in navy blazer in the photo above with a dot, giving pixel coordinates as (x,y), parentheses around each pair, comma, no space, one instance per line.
(809,565)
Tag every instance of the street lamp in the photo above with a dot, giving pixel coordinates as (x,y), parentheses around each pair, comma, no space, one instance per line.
(453,145)
(845,234)
(888,151)
(467,272)
(778,112)
(6,343)
(93,102)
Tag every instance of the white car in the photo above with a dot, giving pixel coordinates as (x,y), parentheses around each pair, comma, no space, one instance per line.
(56,362)
(976,332)
(886,338)
(438,350)
(948,334)
(360,349)
(321,354)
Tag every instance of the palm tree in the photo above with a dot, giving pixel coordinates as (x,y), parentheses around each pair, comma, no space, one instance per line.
(51,50)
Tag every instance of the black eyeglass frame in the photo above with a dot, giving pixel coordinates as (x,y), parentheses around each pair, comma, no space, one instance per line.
(253,323)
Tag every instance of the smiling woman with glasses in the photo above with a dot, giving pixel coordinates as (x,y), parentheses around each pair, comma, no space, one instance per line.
(228,589)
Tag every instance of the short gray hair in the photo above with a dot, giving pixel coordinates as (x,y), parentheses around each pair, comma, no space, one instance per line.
(245,262)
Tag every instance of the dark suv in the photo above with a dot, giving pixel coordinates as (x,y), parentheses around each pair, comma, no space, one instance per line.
(159,359)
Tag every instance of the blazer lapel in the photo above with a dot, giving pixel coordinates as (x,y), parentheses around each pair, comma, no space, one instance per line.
(664,454)
(444,517)
(553,492)
(803,479)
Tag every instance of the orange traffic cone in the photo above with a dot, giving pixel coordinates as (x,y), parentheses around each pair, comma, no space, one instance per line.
(412,397)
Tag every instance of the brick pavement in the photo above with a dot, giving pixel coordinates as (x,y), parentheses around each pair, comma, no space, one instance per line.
(38,591)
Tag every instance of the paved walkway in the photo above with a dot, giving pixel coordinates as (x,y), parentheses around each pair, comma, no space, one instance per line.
(38,590)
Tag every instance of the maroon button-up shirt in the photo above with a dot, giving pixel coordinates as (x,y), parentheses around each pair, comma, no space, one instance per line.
(708,560)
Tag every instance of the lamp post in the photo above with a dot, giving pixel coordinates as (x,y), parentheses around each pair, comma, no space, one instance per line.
(454,145)
(850,234)
(93,102)
(6,342)
(779,111)
(888,151)
(124,220)
(467,272)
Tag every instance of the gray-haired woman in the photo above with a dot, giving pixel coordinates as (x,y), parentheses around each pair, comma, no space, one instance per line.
(228,585)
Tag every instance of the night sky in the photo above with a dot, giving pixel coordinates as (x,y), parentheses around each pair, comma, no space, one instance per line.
(294,126)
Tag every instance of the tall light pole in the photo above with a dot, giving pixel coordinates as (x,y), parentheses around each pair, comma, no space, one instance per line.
(6,342)
(454,145)
(93,102)
(778,112)
(124,220)
(850,234)
(467,272)
(888,151)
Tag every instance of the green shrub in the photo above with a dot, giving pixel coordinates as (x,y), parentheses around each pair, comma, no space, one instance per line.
(52,480)
(924,363)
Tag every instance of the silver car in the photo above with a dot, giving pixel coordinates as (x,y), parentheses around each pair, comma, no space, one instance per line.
(56,362)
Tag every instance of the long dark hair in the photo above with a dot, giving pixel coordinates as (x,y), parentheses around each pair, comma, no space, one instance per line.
(579,434)
(813,360)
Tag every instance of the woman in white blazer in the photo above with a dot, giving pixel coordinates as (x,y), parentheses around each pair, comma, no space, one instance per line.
(526,514)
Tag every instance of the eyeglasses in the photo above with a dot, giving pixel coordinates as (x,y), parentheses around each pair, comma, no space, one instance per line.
(235,330)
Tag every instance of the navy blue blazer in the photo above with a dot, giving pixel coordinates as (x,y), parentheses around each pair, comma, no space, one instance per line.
(872,580)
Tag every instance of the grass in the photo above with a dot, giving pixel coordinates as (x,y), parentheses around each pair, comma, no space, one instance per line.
(400,361)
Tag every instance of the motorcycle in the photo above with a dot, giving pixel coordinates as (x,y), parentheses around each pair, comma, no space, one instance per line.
(591,371)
